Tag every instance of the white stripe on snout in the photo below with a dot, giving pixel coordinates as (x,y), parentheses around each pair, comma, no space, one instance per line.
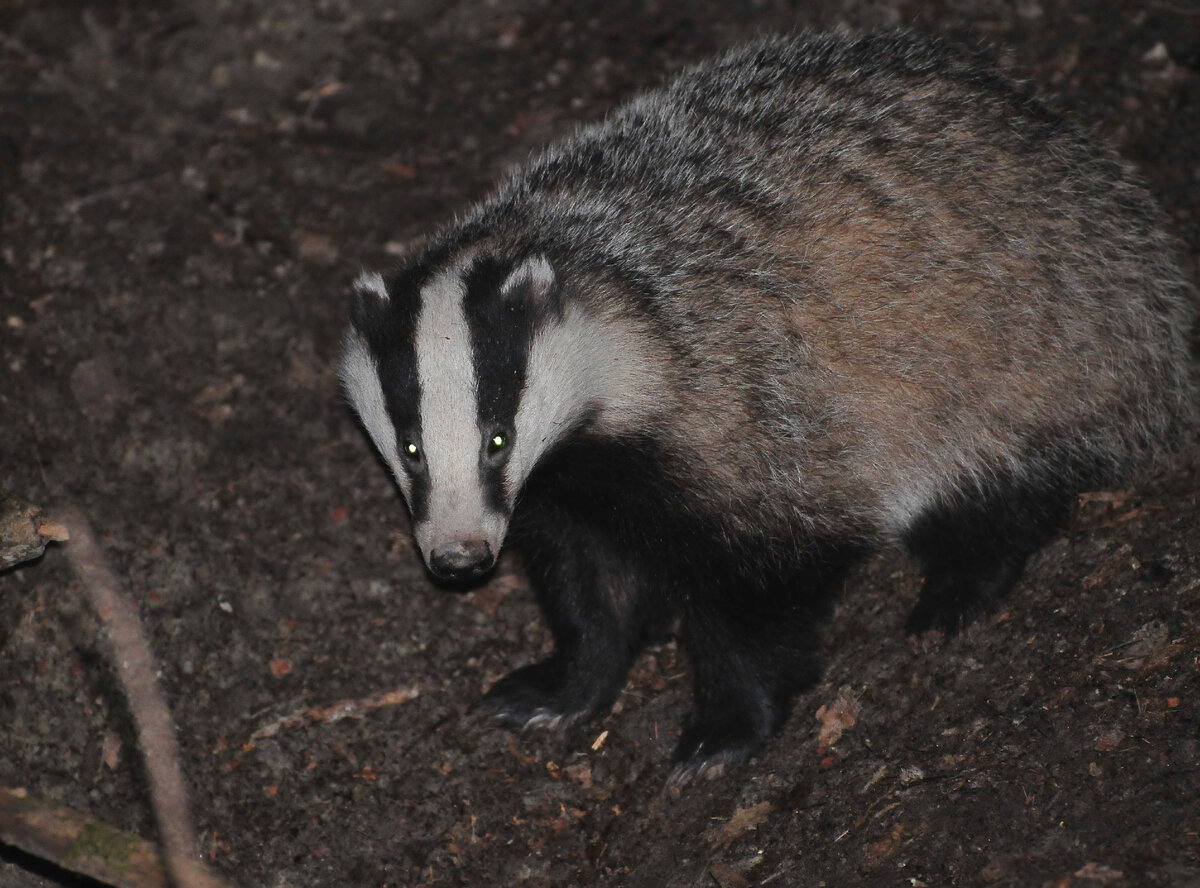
(450,432)
(360,379)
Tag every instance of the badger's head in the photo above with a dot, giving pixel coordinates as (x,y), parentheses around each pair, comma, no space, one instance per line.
(457,375)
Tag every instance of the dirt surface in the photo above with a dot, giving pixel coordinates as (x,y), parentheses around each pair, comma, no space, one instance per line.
(187,191)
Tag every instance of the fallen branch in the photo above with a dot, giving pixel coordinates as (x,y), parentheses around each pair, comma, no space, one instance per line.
(78,843)
(136,669)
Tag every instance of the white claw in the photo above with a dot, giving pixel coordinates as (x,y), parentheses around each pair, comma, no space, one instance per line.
(544,719)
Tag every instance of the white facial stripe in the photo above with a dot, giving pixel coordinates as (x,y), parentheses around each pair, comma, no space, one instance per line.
(450,433)
(360,379)
(555,390)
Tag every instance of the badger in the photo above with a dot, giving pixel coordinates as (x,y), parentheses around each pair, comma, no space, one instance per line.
(817,296)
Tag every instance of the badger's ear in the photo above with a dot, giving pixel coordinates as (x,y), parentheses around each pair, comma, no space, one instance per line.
(533,283)
(368,298)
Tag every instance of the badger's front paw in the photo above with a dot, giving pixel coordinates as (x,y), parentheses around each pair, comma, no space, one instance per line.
(535,696)
(710,747)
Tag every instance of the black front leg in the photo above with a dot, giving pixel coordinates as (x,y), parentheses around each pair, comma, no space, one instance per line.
(593,602)
(753,642)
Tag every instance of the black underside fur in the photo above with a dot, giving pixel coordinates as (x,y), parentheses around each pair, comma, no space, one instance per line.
(614,554)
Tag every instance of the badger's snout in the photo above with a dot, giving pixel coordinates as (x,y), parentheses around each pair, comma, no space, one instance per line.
(463,560)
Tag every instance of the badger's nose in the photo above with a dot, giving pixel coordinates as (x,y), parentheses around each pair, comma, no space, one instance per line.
(461,561)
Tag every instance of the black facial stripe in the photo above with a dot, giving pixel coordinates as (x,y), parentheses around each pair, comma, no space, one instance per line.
(418,506)
(402,393)
(501,331)
(501,334)
(491,476)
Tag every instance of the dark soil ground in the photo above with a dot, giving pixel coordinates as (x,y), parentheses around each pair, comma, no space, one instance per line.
(187,191)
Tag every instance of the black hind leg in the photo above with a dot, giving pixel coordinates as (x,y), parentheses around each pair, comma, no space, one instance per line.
(753,646)
(973,552)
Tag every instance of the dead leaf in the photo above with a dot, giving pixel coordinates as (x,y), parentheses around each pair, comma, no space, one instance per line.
(280,667)
(837,717)
(1099,872)
(744,820)
(581,773)
(885,849)
(211,402)
(727,876)
(219,391)
(318,249)
(401,171)
(995,869)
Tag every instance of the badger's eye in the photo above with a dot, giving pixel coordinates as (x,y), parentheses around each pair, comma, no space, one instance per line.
(411,451)
(497,442)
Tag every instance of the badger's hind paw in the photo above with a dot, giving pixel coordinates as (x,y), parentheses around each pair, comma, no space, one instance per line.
(951,599)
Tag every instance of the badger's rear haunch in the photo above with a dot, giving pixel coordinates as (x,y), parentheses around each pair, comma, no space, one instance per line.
(815,296)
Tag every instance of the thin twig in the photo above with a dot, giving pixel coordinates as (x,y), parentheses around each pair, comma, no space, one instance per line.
(337,711)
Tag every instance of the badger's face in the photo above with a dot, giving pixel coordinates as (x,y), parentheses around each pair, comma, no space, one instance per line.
(453,375)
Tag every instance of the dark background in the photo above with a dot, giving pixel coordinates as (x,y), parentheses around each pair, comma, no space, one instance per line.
(188,189)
